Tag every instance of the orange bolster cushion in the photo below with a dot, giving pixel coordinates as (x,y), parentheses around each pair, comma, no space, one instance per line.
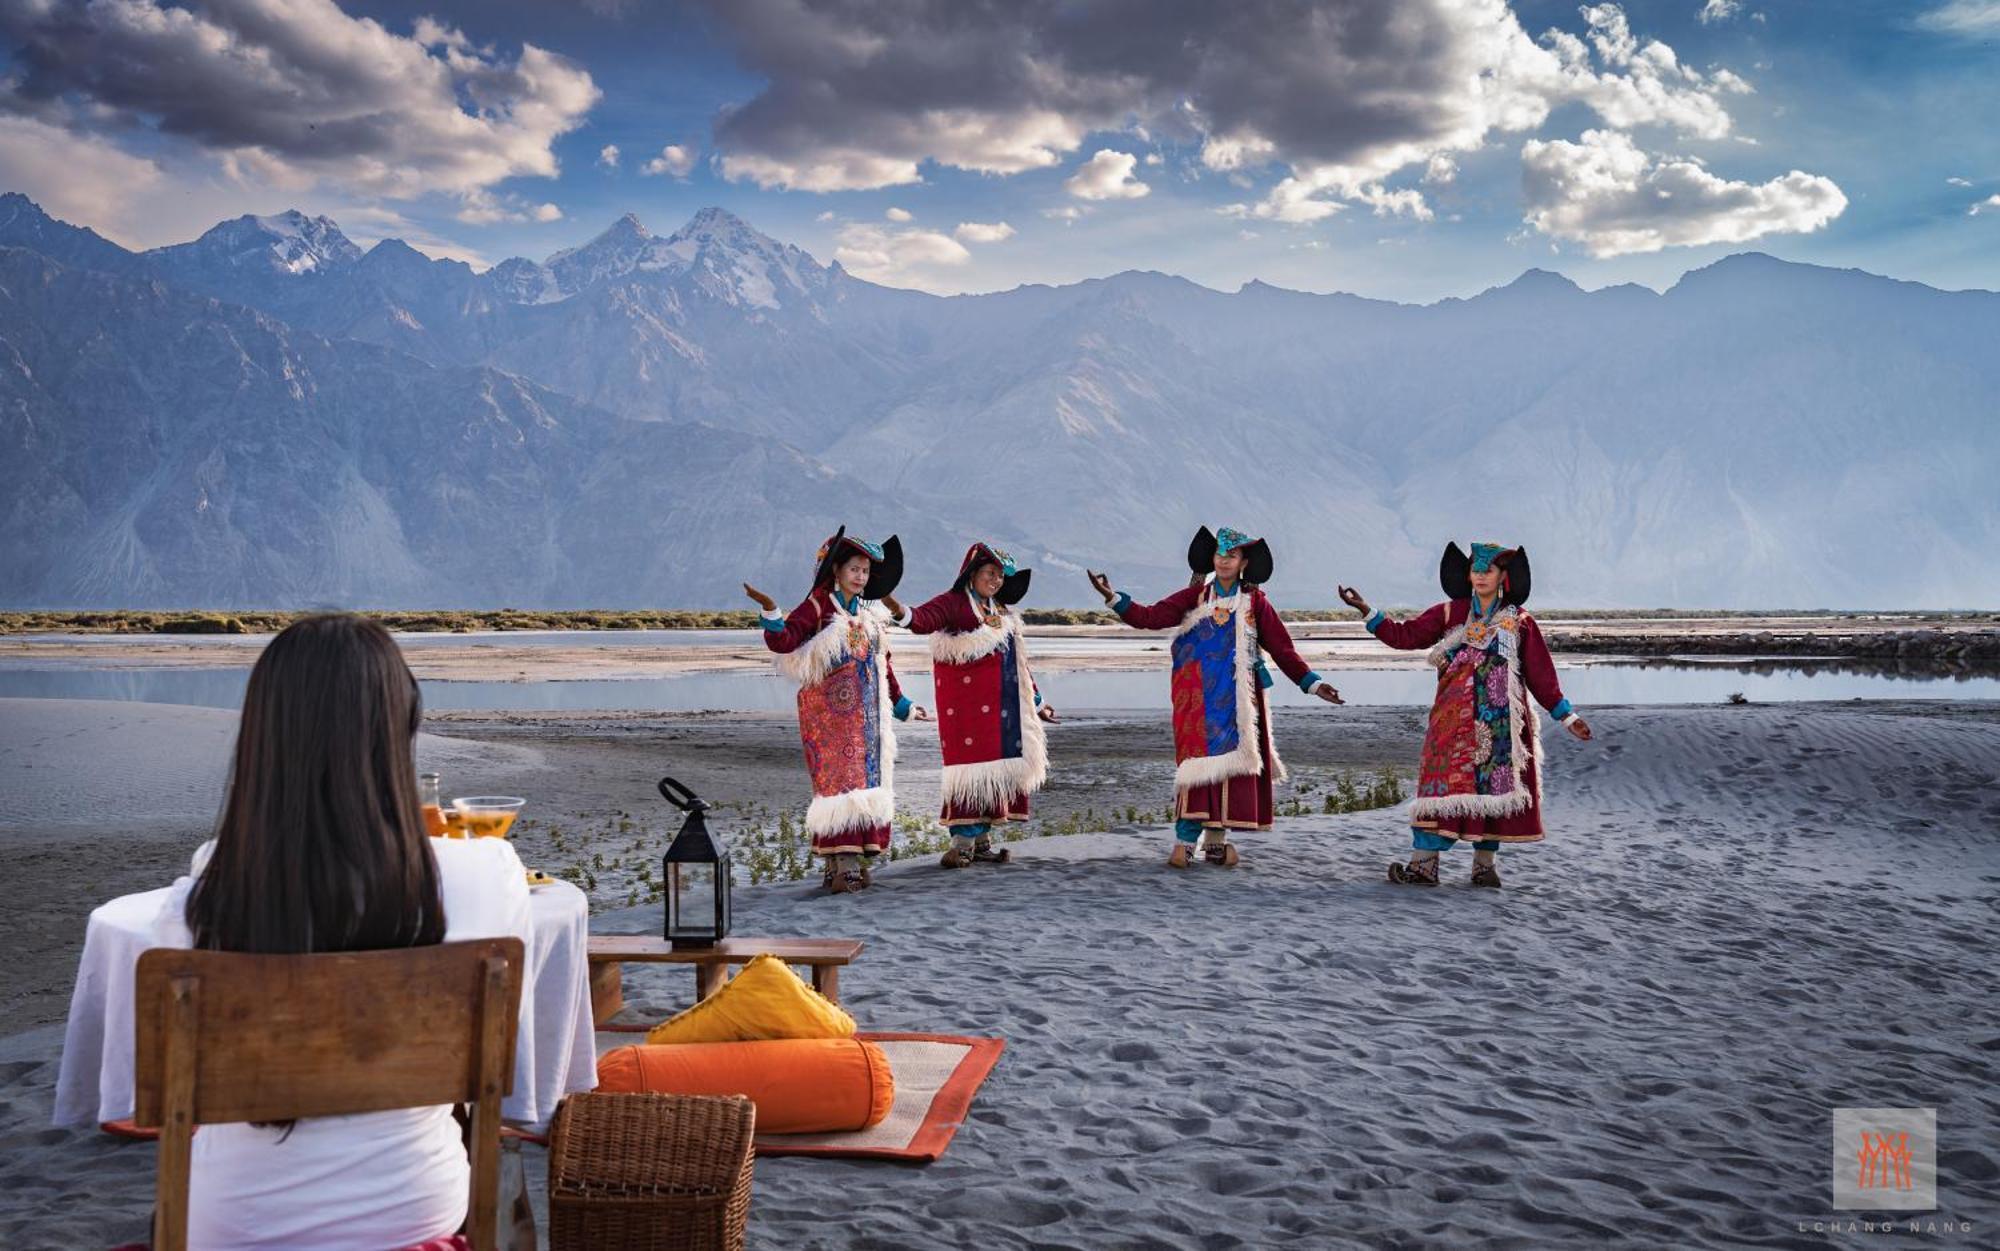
(800,1085)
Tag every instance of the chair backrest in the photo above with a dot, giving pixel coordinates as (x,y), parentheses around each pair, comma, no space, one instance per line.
(226,1037)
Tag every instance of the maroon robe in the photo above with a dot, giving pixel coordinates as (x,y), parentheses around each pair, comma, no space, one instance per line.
(1238,803)
(801,627)
(969,702)
(1538,674)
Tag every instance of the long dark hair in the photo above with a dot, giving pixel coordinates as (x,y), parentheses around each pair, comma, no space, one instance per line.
(321,843)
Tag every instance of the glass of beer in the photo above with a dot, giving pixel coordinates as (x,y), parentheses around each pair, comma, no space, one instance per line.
(432,806)
(487,816)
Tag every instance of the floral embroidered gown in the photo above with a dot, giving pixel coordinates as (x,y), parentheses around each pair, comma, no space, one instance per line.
(838,653)
(1481,774)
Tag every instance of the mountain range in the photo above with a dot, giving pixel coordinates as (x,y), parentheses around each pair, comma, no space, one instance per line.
(270,415)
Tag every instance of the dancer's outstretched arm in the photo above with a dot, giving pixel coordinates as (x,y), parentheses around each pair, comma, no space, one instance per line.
(1168,612)
(1538,674)
(1274,638)
(949,611)
(1419,632)
(785,634)
(899,703)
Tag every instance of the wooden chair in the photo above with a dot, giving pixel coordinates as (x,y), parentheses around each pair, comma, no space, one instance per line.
(227,1037)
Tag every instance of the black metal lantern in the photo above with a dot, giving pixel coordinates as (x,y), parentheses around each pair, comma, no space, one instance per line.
(697,874)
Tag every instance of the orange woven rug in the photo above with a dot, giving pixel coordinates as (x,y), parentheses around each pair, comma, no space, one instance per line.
(937,1076)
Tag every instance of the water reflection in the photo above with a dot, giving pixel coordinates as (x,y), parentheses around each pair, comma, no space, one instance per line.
(1662,681)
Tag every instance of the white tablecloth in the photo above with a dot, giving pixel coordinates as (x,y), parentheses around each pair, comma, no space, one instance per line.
(554,1050)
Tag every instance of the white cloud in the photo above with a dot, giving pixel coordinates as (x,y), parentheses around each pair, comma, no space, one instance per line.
(1068,214)
(1989,205)
(482,208)
(1154,158)
(1440,170)
(897,214)
(983,232)
(1107,176)
(983,141)
(895,257)
(825,216)
(296,91)
(1404,203)
(80,178)
(1971,18)
(1292,200)
(1719,10)
(674,161)
(1606,194)
(1958,182)
(607,156)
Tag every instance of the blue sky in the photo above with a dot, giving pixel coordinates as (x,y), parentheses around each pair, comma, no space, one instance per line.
(1406,149)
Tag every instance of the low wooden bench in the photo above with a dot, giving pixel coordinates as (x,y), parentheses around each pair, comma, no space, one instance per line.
(609,953)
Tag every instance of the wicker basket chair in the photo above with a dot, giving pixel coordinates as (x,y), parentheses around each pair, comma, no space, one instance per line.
(641,1172)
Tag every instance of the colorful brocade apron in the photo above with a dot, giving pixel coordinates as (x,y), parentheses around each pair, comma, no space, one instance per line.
(1481,735)
(1216,720)
(844,724)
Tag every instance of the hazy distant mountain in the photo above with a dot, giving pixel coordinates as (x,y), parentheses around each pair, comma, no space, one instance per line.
(1763,434)
(164,449)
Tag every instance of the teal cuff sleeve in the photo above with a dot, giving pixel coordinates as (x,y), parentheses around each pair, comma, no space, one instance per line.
(1120,604)
(1308,682)
(1375,621)
(1561,710)
(1038,699)
(772,625)
(902,709)
(1264,678)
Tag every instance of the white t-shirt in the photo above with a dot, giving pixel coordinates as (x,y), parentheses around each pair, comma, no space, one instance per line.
(377,1181)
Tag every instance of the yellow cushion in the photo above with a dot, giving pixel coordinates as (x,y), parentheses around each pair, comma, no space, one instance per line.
(766,1000)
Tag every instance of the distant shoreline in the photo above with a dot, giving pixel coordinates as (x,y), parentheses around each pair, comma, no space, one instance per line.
(1956,640)
(504,620)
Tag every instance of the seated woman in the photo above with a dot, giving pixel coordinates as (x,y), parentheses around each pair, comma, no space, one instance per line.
(321,847)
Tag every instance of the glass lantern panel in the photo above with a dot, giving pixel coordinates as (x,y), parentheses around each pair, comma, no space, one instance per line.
(692,906)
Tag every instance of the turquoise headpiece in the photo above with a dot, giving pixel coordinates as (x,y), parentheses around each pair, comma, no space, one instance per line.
(1228,540)
(1484,554)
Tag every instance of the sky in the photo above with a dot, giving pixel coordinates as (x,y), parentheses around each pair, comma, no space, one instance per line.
(1402,149)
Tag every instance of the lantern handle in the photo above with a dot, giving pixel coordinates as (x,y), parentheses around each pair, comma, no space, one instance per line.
(681,797)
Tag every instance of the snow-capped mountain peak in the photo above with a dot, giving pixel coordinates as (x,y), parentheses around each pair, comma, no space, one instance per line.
(281,243)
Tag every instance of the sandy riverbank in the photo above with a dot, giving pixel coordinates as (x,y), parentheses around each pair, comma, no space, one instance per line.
(1744,917)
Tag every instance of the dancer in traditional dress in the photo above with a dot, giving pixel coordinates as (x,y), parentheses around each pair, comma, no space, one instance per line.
(989,710)
(834,647)
(1481,773)
(1226,759)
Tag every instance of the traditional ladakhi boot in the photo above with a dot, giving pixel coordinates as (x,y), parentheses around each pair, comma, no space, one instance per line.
(1420,872)
(984,852)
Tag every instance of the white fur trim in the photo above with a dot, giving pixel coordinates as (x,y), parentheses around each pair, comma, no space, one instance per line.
(808,666)
(1246,760)
(991,782)
(1522,728)
(952,647)
(830,814)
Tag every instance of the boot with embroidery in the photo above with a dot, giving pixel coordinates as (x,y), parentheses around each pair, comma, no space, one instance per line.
(1422,871)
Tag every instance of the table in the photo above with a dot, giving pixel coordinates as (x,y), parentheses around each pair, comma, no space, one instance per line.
(609,952)
(554,1049)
